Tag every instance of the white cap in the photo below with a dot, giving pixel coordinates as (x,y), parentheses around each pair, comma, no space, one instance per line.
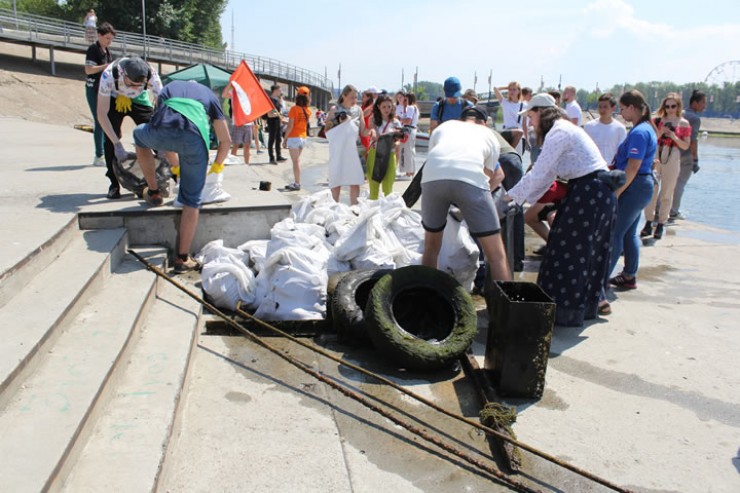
(541,100)
(372,90)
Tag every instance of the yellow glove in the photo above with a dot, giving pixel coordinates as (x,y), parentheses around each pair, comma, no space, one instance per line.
(216,168)
(175,170)
(123,104)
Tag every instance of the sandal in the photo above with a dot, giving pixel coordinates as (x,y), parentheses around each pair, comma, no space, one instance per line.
(605,308)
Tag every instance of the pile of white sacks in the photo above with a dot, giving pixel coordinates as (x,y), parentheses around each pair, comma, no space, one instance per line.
(285,277)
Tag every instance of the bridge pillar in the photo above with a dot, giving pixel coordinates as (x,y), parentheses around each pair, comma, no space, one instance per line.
(33,53)
(51,59)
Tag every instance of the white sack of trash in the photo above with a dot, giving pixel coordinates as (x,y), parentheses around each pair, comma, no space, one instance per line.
(285,277)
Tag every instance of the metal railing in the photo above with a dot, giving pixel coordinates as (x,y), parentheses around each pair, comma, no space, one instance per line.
(46,31)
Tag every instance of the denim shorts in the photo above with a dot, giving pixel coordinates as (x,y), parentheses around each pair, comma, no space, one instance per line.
(193,154)
(296,143)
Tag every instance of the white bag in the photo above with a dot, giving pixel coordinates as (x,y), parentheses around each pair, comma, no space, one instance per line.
(292,286)
(227,281)
(458,255)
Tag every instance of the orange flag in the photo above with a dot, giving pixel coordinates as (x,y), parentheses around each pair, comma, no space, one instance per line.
(249,100)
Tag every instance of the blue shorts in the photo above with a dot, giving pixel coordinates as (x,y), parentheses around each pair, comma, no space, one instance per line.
(475,203)
(193,154)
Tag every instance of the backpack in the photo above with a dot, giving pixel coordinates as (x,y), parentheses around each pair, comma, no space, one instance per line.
(441,107)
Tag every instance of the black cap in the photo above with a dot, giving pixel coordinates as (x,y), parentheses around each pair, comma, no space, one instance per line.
(479,112)
(135,69)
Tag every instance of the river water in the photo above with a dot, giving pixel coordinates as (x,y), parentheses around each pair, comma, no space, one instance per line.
(709,194)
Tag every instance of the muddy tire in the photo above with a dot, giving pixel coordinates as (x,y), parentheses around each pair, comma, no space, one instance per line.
(348,304)
(331,287)
(420,317)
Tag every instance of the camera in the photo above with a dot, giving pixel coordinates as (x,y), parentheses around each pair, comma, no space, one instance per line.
(401,133)
(340,115)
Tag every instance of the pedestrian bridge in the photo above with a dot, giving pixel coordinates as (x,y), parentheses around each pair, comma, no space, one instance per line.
(54,34)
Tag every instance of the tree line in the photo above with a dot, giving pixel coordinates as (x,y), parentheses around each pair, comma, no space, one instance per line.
(192,21)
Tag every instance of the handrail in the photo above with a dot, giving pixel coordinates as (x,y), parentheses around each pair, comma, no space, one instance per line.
(59,33)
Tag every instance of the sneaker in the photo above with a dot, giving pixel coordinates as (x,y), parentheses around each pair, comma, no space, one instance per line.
(281,159)
(293,187)
(114,192)
(154,199)
(188,265)
(622,282)
(647,230)
(98,161)
(677,216)
(272,161)
(260,151)
(658,232)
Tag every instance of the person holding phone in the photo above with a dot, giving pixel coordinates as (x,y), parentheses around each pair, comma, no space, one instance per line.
(674,136)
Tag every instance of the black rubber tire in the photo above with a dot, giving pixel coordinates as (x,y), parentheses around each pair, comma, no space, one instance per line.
(331,287)
(348,304)
(421,318)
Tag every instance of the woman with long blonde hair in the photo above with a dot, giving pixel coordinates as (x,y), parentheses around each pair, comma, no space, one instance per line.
(674,136)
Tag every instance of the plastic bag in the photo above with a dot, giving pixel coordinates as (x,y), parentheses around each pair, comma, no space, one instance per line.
(227,281)
(292,286)
(458,255)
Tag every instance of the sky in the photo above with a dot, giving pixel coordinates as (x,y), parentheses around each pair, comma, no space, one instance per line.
(587,43)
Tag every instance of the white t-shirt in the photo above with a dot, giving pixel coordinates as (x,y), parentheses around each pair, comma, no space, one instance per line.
(511,110)
(573,109)
(606,136)
(460,151)
(408,112)
(566,153)
(388,126)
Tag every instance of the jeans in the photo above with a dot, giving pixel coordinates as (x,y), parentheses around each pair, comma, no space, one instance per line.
(192,152)
(98,134)
(631,203)
(687,169)
(139,114)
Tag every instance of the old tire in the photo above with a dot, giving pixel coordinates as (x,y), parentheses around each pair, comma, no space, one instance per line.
(348,303)
(331,287)
(420,317)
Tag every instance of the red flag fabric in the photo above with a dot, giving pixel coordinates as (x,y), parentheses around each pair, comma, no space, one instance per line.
(249,100)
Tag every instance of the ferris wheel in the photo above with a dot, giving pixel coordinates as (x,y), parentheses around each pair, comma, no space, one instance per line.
(725,73)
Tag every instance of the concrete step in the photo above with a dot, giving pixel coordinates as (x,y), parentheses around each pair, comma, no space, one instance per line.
(13,280)
(56,293)
(127,443)
(43,418)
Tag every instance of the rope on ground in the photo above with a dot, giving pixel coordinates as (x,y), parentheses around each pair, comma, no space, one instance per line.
(486,429)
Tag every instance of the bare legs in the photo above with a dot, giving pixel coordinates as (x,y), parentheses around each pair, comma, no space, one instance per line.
(354,193)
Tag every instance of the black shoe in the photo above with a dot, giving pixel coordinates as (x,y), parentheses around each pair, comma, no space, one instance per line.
(647,230)
(658,232)
(114,192)
(281,159)
(541,250)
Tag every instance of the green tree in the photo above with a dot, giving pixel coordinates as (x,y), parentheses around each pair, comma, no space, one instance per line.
(192,21)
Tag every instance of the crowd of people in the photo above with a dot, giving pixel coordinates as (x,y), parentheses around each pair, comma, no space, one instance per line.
(587,189)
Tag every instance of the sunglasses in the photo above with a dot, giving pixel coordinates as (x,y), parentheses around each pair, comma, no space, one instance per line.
(671,106)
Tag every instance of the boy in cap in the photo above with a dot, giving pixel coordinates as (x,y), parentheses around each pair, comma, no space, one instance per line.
(126,80)
(451,107)
(462,169)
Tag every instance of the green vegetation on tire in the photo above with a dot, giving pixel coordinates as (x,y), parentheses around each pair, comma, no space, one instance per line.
(420,317)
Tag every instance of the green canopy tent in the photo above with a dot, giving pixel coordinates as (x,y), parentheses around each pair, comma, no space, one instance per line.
(204,73)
